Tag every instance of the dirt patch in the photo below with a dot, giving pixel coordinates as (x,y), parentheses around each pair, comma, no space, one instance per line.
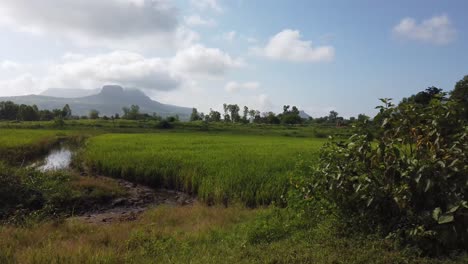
(138,200)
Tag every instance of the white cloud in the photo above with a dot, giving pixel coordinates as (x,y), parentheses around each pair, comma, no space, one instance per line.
(106,23)
(21,85)
(196,20)
(125,68)
(229,36)
(109,18)
(199,60)
(233,87)
(207,5)
(9,65)
(287,45)
(437,30)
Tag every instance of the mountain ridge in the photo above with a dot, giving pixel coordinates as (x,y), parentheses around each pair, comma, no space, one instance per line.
(109,101)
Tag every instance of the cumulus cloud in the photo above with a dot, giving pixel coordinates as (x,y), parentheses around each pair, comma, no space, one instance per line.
(437,30)
(109,23)
(110,18)
(207,5)
(197,21)
(233,87)
(199,60)
(287,45)
(125,68)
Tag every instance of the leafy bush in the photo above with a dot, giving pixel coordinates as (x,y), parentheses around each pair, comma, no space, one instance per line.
(411,182)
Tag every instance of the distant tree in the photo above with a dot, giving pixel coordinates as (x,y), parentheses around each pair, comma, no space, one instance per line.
(195,116)
(66,112)
(214,116)
(245,115)
(234,112)
(290,116)
(93,114)
(28,113)
(8,110)
(57,113)
(252,114)
(271,118)
(132,113)
(332,116)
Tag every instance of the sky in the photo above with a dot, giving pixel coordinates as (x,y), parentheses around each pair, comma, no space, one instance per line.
(318,55)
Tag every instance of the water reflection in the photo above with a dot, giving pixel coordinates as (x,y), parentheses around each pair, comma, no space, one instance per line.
(57,160)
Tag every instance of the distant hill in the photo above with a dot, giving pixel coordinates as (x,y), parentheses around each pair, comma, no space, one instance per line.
(69,93)
(304,115)
(108,101)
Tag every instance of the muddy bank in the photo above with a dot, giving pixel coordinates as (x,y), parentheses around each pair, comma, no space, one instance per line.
(139,198)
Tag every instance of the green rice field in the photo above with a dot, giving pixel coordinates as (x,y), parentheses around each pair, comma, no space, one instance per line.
(218,168)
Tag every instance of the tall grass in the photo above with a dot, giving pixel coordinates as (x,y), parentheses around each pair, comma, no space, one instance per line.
(218,168)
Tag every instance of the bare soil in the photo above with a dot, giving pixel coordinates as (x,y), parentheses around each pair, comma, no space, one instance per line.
(139,198)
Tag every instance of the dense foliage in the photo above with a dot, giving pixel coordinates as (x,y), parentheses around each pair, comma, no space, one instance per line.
(12,111)
(411,182)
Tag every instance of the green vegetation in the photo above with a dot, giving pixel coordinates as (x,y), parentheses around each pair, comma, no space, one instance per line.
(200,234)
(218,168)
(393,189)
(19,145)
(27,194)
(410,183)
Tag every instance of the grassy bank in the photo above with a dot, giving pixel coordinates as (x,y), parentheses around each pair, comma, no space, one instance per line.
(200,234)
(218,168)
(23,145)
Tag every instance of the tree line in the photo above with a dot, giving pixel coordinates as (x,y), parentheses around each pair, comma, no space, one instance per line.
(289,116)
(22,112)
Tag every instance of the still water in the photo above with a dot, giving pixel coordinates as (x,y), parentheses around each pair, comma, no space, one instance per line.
(58,159)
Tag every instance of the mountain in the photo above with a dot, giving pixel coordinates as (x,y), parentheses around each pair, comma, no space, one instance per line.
(69,93)
(303,115)
(108,101)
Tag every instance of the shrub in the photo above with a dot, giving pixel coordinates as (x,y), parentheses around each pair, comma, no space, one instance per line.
(410,183)
(164,124)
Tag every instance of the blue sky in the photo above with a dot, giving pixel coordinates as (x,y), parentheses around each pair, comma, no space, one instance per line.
(318,55)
